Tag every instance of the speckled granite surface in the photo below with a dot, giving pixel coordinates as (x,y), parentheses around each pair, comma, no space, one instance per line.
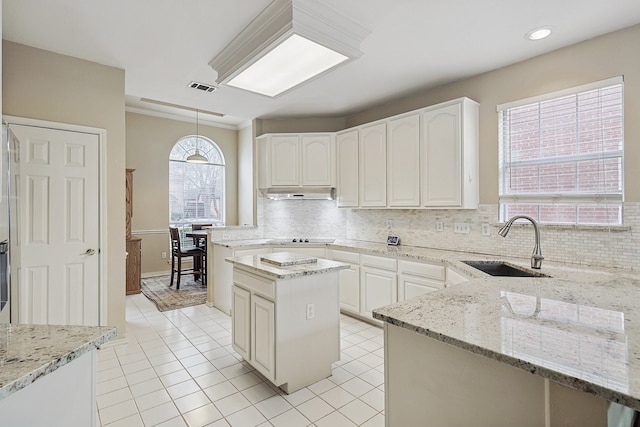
(254,264)
(28,352)
(583,332)
(580,327)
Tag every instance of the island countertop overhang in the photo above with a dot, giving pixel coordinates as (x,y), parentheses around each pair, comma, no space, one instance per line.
(255,264)
(585,335)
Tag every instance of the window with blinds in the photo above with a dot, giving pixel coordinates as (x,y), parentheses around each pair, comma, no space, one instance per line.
(561,155)
(196,190)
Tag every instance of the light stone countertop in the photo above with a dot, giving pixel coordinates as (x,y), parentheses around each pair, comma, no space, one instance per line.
(579,327)
(254,264)
(582,332)
(29,352)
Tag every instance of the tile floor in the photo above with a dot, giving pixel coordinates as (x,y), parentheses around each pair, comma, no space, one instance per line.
(177,368)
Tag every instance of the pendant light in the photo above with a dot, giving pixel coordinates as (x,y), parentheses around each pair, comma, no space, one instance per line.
(197,157)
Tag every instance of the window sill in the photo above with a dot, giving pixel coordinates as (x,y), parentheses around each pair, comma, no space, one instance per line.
(574,227)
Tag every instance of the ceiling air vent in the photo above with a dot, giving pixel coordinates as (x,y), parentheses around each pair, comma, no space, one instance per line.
(203,87)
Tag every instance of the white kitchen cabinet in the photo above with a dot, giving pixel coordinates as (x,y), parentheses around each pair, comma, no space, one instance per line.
(403,161)
(449,155)
(263,336)
(284,160)
(296,160)
(372,166)
(220,280)
(417,278)
(347,169)
(378,282)
(241,321)
(349,280)
(287,345)
(317,165)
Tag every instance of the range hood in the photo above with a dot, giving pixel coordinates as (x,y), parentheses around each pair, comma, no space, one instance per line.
(300,193)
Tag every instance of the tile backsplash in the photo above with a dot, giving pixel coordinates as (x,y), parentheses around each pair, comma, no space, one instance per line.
(597,246)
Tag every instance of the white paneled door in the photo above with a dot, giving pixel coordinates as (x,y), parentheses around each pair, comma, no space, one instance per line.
(58,226)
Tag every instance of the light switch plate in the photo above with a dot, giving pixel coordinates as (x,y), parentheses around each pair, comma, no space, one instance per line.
(439,226)
(485,230)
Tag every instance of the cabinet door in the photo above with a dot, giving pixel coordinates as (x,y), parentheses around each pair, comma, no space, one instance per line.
(316,160)
(285,160)
(403,161)
(240,321)
(350,289)
(347,159)
(377,289)
(441,157)
(263,336)
(373,166)
(412,286)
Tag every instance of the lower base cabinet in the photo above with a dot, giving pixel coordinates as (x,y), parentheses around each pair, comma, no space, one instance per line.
(263,335)
(273,331)
(377,287)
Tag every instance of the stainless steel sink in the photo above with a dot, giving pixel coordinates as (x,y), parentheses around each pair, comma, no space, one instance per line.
(500,268)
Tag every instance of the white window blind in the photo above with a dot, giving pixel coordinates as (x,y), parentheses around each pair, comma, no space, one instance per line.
(196,190)
(561,155)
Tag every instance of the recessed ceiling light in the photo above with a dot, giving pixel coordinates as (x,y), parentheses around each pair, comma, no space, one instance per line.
(539,33)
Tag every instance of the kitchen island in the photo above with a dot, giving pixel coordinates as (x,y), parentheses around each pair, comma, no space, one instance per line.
(286,316)
(48,374)
(514,351)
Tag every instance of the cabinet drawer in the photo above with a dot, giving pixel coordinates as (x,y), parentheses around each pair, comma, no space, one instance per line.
(255,284)
(421,269)
(344,256)
(378,262)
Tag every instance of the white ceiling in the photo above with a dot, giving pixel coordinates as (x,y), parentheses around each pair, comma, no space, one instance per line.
(414,44)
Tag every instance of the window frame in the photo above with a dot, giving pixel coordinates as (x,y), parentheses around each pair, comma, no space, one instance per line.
(570,198)
(188,144)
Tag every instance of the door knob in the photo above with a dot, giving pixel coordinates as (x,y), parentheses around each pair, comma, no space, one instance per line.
(89,252)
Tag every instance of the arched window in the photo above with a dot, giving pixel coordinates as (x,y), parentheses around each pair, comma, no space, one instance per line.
(196,190)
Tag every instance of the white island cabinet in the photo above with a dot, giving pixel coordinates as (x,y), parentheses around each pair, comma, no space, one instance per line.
(285,319)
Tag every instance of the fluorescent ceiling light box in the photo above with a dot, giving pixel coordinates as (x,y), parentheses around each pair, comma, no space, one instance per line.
(290,42)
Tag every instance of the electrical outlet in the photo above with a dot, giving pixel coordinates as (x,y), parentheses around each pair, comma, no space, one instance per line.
(439,226)
(164,255)
(311,311)
(226,237)
(485,230)
(461,227)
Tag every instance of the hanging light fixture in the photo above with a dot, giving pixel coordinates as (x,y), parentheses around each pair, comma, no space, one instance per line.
(197,157)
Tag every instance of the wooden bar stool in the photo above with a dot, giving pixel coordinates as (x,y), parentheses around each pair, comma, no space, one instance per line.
(177,253)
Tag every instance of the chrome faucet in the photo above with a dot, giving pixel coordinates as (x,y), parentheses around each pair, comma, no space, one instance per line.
(536,256)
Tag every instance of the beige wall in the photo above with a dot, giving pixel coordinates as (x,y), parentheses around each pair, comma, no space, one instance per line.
(603,57)
(149,142)
(47,86)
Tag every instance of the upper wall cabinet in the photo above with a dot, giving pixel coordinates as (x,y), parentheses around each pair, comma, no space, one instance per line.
(295,160)
(403,161)
(449,155)
(372,166)
(427,158)
(347,167)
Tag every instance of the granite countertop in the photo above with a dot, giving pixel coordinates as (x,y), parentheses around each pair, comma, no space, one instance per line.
(255,264)
(583,333)
(28,352)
